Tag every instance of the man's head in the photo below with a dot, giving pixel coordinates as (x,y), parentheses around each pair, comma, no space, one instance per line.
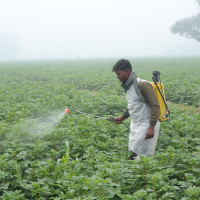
(123,69)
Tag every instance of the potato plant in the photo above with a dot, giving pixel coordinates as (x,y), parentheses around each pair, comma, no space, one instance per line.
(46,154)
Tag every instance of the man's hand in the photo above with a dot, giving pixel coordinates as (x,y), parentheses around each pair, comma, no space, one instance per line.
(149,133)
(119,120)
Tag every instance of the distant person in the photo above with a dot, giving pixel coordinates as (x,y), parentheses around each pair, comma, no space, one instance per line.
(143,108)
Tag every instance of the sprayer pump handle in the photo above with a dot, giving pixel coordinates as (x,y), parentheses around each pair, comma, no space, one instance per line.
(111,118)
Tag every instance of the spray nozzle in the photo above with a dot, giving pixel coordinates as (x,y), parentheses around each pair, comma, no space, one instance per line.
(67,110)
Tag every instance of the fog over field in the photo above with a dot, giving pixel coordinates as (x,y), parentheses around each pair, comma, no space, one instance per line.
(62,29)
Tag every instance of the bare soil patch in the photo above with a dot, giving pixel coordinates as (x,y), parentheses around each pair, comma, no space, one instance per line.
(187,108)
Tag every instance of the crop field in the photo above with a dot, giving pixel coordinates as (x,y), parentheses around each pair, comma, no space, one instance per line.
(47,154)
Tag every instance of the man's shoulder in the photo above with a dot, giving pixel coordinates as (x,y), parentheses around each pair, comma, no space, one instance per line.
(144,84)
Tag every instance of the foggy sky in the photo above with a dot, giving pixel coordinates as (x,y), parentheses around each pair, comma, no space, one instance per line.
(97,28)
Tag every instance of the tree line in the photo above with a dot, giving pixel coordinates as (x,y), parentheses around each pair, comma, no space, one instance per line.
(188,27)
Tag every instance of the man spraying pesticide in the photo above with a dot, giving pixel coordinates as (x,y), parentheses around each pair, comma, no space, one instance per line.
(143,108)
(146,107)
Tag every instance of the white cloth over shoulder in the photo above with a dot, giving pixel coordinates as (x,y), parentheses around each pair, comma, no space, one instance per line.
(140,113)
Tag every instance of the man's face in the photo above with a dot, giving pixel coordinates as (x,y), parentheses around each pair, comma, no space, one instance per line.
(122,75)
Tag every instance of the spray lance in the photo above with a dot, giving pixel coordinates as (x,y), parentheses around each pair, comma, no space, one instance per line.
(111,118)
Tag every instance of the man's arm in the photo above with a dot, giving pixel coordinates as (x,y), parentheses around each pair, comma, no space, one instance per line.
(119,120)
(149,95)
(126,114)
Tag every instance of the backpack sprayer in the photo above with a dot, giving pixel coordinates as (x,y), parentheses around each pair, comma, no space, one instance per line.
(111,118)
(159,91)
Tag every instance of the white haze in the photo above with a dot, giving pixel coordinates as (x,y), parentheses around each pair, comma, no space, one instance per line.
(97,28)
